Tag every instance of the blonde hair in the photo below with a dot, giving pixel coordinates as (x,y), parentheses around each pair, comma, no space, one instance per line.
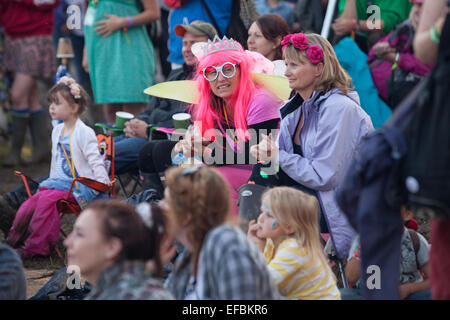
(300,211)
(333,75)
(204,195)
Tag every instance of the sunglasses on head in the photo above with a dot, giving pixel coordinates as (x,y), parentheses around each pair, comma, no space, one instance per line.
(228,70)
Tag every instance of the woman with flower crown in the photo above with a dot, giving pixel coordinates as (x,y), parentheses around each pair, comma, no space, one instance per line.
(75,154)
(230,114)
(322,126)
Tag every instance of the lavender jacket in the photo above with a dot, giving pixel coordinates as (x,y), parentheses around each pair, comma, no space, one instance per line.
(333,126)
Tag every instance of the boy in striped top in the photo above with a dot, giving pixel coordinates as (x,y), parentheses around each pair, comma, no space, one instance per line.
(287,232)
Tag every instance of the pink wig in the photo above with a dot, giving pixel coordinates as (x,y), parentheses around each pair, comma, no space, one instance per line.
(205,111)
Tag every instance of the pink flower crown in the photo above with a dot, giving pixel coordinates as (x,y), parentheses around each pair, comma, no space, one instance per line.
(300,41)
(75,89)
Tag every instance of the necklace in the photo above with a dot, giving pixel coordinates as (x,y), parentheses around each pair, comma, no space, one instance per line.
(69,161)
(228,125)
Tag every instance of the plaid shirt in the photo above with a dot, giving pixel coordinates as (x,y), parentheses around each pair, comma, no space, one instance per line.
(230,267)
(128,281)
(13,283)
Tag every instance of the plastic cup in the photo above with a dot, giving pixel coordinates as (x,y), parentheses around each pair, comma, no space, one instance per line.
(181,120)
(121,118)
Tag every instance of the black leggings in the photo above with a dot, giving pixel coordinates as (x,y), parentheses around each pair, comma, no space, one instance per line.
(155,156)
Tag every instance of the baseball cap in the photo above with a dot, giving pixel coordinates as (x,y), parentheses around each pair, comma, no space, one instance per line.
(197,28)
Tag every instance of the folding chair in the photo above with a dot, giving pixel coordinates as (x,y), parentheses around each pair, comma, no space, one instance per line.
(132,170)
(332,256)
(65,206)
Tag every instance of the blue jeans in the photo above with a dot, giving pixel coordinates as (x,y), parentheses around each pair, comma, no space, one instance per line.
(127,152)
(355,294)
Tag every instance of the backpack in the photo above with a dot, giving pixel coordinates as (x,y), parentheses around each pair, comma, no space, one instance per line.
(236,27)
(426,170)
(401,82)
(416,244)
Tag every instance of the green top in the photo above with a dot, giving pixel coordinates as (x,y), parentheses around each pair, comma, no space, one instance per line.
(393,12)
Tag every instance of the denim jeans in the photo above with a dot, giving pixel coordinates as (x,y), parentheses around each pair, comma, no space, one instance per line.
(127,152)
(355,294)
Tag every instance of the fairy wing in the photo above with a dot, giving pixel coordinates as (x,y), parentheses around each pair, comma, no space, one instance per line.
(181,90)
(278,85)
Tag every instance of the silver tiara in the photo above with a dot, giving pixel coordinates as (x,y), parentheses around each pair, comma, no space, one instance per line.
(218,44)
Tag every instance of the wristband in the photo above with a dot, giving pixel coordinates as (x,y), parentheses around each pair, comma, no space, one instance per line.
(397,57)
(434,34)
(130,21)
(356,26)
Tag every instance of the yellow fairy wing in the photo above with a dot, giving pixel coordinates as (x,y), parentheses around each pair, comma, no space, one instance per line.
(182,90)
(278,85)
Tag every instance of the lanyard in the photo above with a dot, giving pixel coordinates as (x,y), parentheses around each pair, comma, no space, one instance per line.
(69,161)
(226,119)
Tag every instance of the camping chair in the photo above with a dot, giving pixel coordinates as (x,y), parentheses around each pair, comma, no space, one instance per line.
(65,206)
(131,172)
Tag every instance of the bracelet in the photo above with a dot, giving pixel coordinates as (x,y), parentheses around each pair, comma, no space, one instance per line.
(397,57)
(130,21)
(356,25)
(434,34)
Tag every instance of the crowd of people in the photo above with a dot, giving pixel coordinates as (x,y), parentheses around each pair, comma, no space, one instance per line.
(275,111)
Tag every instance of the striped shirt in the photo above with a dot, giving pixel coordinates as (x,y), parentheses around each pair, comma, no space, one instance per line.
(297,275)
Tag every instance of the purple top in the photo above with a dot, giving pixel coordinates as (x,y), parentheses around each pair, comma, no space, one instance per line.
(264,106)
(333,126)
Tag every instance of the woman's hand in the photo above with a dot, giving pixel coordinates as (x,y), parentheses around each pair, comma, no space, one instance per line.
(253,227)
(382,49)
(110,25)
(84,63)
(266,150)
(193,146)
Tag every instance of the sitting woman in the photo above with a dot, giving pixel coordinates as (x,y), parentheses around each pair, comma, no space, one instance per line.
(230,114)
(321,127)
(111,244)
(394,68)
(218,262)
(265,35)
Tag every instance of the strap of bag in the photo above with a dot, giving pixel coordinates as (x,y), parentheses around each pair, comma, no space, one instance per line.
(416,244)
(212,18)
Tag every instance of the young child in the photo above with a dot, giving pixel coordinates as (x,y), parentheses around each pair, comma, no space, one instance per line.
(287,231)
(413,262)
(75,153)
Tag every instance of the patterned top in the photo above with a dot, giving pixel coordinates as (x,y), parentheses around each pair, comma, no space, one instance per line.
(128,281)
(297,275)
(230,267)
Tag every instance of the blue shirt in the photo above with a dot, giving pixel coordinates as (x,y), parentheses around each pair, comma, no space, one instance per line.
(283,9)
(194,10)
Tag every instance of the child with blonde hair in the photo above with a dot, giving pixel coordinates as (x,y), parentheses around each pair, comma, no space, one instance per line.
(287,232)
(75,154)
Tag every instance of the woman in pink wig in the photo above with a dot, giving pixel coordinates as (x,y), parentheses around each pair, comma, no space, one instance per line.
(231,114)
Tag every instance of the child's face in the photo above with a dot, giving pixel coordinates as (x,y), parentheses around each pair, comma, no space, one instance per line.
(60,109)
(269,227)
